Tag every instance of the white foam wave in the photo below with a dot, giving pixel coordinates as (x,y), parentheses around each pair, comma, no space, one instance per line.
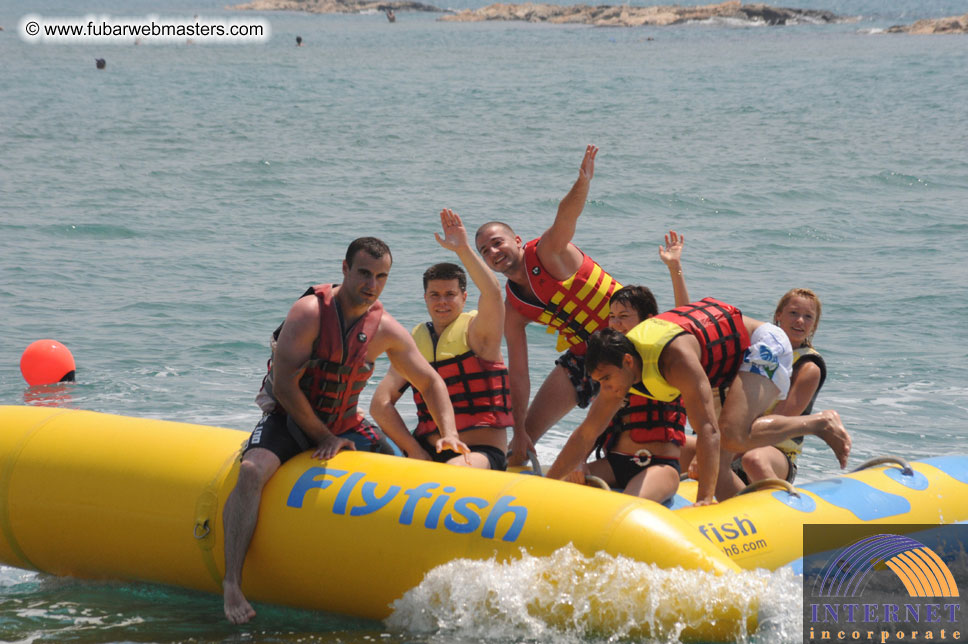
(568,597)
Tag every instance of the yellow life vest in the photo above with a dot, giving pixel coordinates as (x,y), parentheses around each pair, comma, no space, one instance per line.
(650,337)
(451,343)
(478,389)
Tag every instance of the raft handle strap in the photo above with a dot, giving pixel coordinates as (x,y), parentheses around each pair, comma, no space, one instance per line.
(906,468)
(597,482)
(202,529)
(768,483)
(535,465)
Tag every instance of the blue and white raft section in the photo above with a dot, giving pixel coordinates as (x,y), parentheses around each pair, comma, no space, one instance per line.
(764,528)
(99,496)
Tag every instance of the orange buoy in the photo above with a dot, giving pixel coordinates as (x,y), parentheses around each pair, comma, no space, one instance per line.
(45,362)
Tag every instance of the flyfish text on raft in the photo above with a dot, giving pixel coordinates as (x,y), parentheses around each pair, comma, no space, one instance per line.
(465,514)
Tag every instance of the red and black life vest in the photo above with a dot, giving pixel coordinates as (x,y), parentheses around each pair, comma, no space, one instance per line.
(478,389)
(722,336)
(647,420)
(338,370)
(575,307)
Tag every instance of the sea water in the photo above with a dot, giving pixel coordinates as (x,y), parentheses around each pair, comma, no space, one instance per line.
(160,216)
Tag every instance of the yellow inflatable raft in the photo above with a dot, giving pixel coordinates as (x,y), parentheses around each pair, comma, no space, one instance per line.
(99,496)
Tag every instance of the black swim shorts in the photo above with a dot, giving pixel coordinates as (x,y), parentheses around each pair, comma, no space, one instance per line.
(586,388)
(625,467)
(277,433)
(497,459)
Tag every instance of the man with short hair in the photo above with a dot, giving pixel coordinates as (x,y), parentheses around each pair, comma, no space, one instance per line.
(322,357)
(465,349)
(552,282)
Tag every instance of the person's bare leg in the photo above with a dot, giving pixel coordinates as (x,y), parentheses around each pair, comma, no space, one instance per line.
(239,518)
(554,399)
(749,396)
(765,463)
(477,460)
(657,483)
(826,425)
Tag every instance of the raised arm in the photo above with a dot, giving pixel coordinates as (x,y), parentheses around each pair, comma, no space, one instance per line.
(671,256)
(520,382)
(294,348)
(406,359)
(383,410)
(487,329)
(582,440)
(554,244)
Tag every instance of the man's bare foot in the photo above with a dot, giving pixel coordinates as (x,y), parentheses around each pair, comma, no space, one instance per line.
(835,435)
(237,608)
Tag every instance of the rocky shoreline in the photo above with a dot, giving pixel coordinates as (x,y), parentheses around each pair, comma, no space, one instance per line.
(628,16)
(949,25)
(334,6)
(607,15)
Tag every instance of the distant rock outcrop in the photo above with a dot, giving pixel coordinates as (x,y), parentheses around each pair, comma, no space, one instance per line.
(334,6)
(628,16)
(600,15)
(949,25)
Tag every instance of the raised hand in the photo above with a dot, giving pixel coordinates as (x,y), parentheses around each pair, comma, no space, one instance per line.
(587,170)
(455,235)
(672,252)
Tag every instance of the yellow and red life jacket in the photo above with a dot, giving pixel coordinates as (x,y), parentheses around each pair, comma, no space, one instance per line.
(574,308)
(338,370)
(478,389)
(647,420)
(717,326)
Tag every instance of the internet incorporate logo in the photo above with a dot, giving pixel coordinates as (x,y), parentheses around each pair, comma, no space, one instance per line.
(919,568)
(863,584)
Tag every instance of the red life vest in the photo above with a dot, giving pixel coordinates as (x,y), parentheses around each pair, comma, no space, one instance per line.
(338,371)
(722,336)
(647,420)
(478,389)
(575,307)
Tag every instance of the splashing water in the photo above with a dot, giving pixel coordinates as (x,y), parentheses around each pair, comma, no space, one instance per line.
(568,597)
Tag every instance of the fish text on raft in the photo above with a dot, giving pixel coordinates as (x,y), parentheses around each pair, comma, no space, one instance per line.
(465,514)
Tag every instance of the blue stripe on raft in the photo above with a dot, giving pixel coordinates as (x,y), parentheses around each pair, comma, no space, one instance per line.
(954,466)
(914,480)
(863,501)
(677,502)
(803,503)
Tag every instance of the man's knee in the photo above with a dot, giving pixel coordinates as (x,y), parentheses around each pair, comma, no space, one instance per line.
(254,473)
(756,464)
